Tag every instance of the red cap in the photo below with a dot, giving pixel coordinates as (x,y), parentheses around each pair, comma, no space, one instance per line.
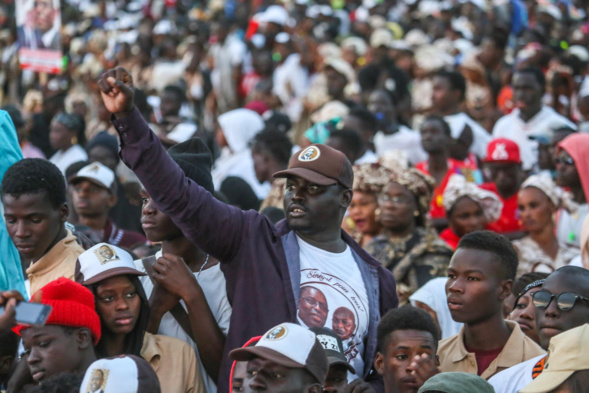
(73,305)
(502,150)
(321,165)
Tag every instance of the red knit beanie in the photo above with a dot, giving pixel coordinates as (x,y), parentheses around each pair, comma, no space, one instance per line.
(73,305)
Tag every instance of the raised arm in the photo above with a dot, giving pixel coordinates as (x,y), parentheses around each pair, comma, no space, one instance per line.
(212,225)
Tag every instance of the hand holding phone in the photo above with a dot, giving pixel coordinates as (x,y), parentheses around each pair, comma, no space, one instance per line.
(22,312)
(8,301)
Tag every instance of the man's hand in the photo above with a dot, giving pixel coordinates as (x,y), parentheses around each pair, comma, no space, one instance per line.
(8,300)
(423,368)
(116,87)
(172,274)
(358,386)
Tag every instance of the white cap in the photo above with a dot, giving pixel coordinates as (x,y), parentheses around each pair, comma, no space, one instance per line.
(123,374)
(275,14)
(97,174)
(381,37)
(103,261)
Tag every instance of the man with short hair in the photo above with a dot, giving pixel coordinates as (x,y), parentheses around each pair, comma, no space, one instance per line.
(287,359)
(35,211)
(449,91)
(504,167)
(480,277)
(66,341)
(271,150)
(530,118)
(551,320)
(93,196)
(265,265)
(407,344)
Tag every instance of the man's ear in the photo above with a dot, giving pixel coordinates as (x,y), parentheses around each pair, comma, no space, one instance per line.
(379,363)
(346,198)
(112,200)
(437,361)
(64,212)
(505,288)
(84,338)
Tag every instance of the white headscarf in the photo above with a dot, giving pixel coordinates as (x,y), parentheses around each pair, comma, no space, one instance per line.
(458,187)
(239,127)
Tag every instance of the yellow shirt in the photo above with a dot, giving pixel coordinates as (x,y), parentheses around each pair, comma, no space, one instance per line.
(174,363)
(519,348)
(59,261)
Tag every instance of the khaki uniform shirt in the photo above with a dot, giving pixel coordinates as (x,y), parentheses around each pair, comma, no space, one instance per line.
(59,261)
(174,363)
(519,347)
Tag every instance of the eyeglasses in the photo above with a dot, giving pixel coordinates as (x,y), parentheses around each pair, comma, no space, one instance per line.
(314,303)
(565,301)
(395,200)
(564,160)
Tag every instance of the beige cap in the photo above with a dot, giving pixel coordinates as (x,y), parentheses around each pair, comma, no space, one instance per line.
(567,353)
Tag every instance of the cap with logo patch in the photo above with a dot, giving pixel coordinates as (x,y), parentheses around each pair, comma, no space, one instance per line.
(321,165)
(567,353)
(503,150)
(97,174)
(103,261)
(333,346)
(122,374)
(291,346)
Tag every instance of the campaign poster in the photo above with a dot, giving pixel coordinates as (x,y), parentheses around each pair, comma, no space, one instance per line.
(38,23)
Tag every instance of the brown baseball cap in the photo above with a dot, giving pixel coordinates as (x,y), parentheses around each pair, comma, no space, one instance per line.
(321,165)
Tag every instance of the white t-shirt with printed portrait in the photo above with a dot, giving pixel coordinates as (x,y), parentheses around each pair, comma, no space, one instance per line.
(333,295)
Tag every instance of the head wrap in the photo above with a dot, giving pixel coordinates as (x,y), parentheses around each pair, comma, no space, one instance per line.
(577,146)
(371,178)
(458,187)
(419,184)
(557,196)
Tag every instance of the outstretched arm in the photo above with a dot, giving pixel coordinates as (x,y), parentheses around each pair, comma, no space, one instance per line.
(214,226)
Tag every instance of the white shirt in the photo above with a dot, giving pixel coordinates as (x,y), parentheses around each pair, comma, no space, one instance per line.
(543,124)
(368,158)
(480,136)
(405,140)
(339,287)
(291,83)
(516,377)
(212,282)
(63,159)
(568,230)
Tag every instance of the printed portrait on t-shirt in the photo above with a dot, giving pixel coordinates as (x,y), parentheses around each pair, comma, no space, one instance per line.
(97,381)
(343,322)
(313,307)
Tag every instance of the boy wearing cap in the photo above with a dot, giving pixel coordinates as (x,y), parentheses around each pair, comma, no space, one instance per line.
(265,266)
(183,270)
(123,309)
(504,167)
(35,211)
(480,278)
(551,320)
(66,342)
(287,359)
(93,197)
(407,344)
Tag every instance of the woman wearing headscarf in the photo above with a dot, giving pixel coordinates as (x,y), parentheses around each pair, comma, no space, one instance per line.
(468,209)
(362,220)
(413,253)
(236,129)
(66,131)
(540,251)
(572,168)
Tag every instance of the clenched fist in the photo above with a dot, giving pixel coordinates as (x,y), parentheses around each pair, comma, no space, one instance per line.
(116,88)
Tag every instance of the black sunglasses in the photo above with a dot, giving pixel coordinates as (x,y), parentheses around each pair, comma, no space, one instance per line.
(564,160)
(565,301)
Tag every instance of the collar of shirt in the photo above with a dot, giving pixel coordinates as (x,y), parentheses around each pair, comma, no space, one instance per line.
(53,258)
(150,350)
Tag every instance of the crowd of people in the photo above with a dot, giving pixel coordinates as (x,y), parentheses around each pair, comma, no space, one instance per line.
(296,196)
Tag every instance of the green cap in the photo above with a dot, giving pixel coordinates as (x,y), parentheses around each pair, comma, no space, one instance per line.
(456,383)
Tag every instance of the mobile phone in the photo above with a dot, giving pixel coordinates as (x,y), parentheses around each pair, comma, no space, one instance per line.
(31,313)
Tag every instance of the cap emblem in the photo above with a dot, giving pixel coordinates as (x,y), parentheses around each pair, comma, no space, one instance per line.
(311,153)
(500,153)
(106,254)
(278,333)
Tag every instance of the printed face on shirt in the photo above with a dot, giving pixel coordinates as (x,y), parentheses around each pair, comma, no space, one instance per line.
(117,304)
(466,216)
(400,351)
(264,375)
(551,321)
(475,290)
(52,349)
(343,323)
(311,208)
(91,200)
(158,227)
(535,209)
(33,223)
(313,307)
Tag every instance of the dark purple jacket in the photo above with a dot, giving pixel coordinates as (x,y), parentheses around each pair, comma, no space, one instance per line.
(260,261)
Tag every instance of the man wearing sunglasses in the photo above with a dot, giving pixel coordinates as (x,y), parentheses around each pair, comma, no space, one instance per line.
(562,303)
